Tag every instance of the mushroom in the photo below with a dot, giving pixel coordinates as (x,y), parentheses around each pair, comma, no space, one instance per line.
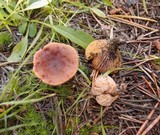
(56,63)
(104,54)
(105,90)
(105,100)
(156,43)
(104,85)
(95,48)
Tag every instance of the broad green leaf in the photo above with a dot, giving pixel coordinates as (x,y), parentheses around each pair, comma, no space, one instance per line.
(32,29)
(22,27)
(19,50)
(98,12)
(108,2)
(32,1)
(38,4)
(75,35)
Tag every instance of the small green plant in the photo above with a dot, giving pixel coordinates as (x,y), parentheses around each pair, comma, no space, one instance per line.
(86,130)
(5,40)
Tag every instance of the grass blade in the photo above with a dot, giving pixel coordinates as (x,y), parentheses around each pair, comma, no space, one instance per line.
(145,6)
(26,101)
(17,126)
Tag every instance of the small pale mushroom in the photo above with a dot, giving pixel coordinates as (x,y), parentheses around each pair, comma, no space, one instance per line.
(104,54)
(105,100)
(56,63)
(104,85)
(105,90)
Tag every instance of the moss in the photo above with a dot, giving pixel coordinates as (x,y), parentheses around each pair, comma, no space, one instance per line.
(42,127)
(5,40)
(90,129)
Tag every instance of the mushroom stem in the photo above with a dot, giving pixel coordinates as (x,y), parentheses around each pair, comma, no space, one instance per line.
(94,75)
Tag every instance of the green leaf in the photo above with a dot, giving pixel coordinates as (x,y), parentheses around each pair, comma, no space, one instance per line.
(22,28)
(75,35)
(98,12)
(32,29)
(108,2)
(19,50)
(38,4)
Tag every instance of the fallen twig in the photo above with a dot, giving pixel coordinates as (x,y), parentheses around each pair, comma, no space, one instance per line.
(151,125)
(134,17)
(149,85)
(146,121)
(132,23)
(147,93)
(129,118)
(6,63)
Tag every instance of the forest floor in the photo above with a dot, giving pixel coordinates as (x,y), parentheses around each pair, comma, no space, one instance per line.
(28,106)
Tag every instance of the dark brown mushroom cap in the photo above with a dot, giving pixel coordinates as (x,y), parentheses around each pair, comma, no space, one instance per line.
(56,63)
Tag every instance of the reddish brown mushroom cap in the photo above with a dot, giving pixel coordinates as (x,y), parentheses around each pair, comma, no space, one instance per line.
(56,63)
